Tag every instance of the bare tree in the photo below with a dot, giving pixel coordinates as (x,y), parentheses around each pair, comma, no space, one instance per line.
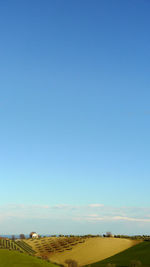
(22,236)
(13,238)
(109,234)
(71,263)
(135,263)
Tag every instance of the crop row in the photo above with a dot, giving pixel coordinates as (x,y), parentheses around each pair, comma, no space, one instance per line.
(8,244)
(27,248)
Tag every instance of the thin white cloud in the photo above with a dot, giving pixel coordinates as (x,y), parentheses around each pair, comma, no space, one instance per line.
(86,213)
(61,206)
(96,218)
(130,219)
(96,205)
(93,215)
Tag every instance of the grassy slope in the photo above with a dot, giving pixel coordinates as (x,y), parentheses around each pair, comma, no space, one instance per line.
(94,250)
(139,252)
(16,259)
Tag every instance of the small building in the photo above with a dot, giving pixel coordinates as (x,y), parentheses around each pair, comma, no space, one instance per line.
(33,235)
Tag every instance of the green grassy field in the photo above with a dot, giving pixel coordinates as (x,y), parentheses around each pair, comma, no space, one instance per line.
(17,259)
(140,252)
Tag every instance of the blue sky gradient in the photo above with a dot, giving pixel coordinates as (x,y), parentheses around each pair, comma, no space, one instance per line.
(74,106)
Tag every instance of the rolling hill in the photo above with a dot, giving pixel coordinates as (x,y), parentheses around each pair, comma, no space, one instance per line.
(140,252)
(16,259)
(84,251)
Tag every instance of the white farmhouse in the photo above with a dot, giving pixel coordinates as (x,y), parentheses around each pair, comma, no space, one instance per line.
(34,235)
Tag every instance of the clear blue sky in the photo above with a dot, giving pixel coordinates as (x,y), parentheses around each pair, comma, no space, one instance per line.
(75,103)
